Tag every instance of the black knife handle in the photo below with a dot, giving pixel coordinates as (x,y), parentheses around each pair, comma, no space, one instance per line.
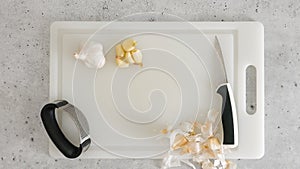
(227,114)
(56,135)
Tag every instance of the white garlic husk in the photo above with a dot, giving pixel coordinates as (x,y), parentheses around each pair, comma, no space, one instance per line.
(187,127)
(92,55)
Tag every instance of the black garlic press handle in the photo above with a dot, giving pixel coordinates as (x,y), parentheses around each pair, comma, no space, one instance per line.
(228,114)
(58,138)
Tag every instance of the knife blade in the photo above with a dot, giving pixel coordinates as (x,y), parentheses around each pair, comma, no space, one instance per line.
(229,114)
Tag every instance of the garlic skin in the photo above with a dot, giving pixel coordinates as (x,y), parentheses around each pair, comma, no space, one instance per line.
(197,142)
(92,55)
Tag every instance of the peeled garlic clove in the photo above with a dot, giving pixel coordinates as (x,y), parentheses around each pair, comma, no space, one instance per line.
(92,55)
(137,56)
(128,45)
(119,51)
(129,57)
(121,63)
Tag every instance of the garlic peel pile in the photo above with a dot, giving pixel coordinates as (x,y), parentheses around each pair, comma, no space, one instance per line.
(199,143)
(126,54)
(91,54)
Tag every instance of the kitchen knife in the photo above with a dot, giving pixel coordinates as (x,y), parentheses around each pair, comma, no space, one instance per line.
(229,114)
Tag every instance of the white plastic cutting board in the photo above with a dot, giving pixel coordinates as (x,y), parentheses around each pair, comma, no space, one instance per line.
(242,45)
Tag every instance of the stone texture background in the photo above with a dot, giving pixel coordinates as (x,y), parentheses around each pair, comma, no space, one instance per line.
(24,76)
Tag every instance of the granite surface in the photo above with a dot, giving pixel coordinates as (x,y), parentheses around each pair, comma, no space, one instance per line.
(24,76)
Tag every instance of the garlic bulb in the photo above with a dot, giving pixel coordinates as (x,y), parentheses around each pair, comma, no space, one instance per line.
(92,55)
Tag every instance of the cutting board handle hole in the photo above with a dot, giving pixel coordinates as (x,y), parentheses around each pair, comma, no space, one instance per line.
(251,90)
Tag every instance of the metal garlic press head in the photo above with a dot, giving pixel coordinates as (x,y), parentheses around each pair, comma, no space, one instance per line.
(48,114)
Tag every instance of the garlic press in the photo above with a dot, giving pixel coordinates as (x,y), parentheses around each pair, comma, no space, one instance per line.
(48,115)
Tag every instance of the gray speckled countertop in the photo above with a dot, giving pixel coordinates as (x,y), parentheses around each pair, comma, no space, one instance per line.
(24,76)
